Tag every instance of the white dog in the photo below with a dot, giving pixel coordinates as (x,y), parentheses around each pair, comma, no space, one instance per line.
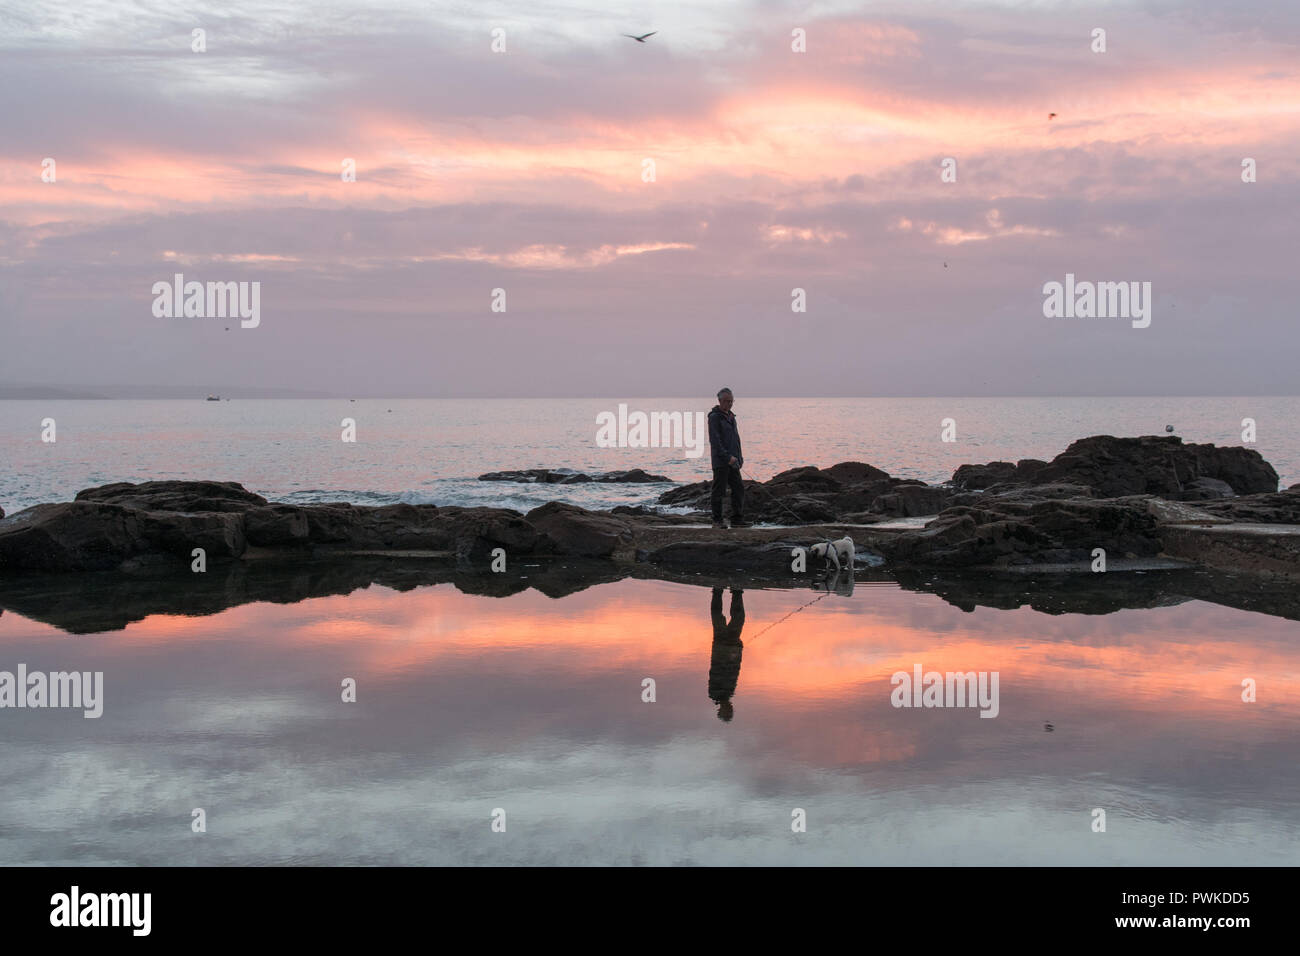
(836,553)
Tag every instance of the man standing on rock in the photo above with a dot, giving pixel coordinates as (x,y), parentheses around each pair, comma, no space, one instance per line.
(724,447)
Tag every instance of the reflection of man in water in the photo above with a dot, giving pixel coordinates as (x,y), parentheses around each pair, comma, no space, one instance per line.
(724,668)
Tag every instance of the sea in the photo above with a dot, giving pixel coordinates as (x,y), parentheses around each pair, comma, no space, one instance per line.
(433,450)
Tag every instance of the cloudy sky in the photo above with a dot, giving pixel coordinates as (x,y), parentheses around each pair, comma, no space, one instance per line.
(773,170)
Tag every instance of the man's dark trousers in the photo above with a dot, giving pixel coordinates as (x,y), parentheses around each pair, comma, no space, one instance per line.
(722,477)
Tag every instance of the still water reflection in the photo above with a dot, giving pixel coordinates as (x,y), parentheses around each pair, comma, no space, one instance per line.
(536,705)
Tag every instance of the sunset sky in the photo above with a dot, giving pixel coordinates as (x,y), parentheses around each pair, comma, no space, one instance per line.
(774,169)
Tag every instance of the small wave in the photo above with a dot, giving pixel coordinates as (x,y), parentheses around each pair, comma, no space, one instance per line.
(515,502)
(315,496)
(472,493)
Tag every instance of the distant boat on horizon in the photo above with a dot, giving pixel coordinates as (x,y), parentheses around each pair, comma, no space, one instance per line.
(215,398)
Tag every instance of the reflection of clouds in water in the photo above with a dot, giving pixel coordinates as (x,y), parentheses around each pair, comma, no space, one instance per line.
(533,704)
(216,716)
(681,802)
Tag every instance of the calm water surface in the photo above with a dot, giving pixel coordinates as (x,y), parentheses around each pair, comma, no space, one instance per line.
(534,705)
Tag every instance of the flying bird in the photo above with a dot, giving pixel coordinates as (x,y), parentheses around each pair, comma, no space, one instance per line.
(1051,116)
(642,38)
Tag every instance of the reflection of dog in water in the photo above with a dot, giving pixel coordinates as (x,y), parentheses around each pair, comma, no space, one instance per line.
(724,666)
(836,554)
(841,582)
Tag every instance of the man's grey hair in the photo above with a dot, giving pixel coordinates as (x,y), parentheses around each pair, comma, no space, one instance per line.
(723,391)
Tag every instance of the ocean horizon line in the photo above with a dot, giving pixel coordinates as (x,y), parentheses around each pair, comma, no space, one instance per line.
(203,394)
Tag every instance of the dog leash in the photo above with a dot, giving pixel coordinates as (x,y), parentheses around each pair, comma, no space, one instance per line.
(776,499)
(819,597)
(788,616)
(829,543)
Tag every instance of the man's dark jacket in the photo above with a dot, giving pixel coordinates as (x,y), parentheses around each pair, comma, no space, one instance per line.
(724,438)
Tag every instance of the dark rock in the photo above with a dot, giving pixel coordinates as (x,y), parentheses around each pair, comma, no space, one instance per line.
(1059,490)
(134,526)
(689,496)
(1235,547)
(562,476)
(176,533)
(1017,531)
(402,526)
(633,476)
(860,497)
(332,523)
(189,496)
(862,517)
(541,475)
(912,500)
(1180,512)
(67,535)
(1206,489)
(1152,464)
(786,508)
(804,494)
(1244,469)
(636,511)
(771,556)
(780,503)
(649,516)
(948,540)
(576,531)
(475,532)
(72,536)
(1158,465)
(1282,507)
(97,536)
(275,526)
(979,477)
(1027,469)
(855,473)
(806,478)
(1011,492)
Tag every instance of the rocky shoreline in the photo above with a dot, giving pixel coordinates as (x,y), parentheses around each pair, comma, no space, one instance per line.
(1148,499)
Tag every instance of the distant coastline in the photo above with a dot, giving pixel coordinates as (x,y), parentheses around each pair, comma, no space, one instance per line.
(146,392)
(199,393)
